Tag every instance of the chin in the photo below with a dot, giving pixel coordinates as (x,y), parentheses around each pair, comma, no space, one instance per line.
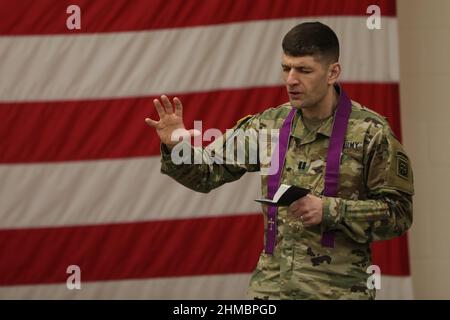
(297,104)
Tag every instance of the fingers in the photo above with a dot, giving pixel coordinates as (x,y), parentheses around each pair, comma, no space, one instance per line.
(167,105)
(296,205)
(178,107)
(305,216)
(307,220)
(167,108)
(293,207)
(151,123)
(159,108)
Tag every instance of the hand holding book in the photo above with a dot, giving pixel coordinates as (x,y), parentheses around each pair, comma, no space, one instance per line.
(285,195)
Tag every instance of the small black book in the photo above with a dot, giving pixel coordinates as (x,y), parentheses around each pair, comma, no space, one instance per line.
(285,195)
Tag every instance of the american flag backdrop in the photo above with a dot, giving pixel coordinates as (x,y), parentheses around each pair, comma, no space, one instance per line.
(80,180)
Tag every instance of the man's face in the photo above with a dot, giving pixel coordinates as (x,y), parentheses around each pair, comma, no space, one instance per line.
(306,80)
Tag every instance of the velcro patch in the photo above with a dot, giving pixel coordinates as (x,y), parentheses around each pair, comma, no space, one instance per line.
(352,145)
(402,165)
(302,165)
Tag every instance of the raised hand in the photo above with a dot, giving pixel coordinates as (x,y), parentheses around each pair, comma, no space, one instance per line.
(170,127)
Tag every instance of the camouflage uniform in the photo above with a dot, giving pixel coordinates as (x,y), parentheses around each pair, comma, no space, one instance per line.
(374,202)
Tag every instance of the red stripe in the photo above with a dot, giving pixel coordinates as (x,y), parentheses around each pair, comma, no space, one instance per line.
(109,129)
(383,98)
(203,246)
(392,256)
(81,130)
(149,249)
(49,16)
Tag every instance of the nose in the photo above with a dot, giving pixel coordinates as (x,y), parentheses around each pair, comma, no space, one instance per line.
(292,78)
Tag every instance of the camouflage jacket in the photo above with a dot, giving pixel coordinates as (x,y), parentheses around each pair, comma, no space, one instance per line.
(374,200)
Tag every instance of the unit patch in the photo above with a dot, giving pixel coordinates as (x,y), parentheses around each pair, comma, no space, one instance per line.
(402,165)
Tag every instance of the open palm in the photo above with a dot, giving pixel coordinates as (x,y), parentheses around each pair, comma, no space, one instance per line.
(170,127)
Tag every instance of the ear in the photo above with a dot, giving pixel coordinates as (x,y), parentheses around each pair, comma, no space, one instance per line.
(334,71)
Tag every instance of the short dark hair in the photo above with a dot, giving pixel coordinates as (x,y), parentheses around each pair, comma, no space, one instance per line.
(312,39)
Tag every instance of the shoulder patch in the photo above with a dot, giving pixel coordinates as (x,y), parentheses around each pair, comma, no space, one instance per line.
(402,165)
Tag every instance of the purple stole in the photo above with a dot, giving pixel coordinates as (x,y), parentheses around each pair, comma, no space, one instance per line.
(331,182)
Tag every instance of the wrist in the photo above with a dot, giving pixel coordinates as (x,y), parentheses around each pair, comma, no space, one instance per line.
(166,149)
(332,212)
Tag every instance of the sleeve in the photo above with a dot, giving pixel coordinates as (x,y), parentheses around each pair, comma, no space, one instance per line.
(226,159)
(387,211)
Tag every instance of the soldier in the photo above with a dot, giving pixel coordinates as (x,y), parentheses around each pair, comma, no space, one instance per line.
(359,176)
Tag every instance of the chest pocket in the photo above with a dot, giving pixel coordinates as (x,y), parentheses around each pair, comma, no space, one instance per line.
(316,174)
(306,167)
(352,169)
(306,164)
(310,173)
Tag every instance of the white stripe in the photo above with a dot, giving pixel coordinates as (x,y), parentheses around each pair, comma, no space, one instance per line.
(195,287)
(180,60)
(395,288)
(201,287)
(92,192)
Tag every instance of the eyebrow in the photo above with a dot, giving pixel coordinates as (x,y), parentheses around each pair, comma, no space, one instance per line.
(296,67)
